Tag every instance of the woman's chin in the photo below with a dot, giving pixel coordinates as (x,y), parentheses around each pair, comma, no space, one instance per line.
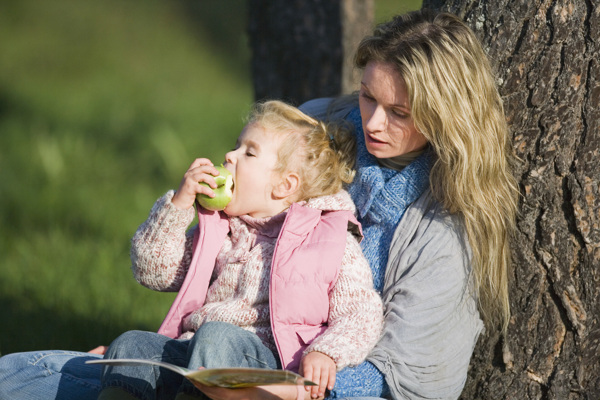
(377,151)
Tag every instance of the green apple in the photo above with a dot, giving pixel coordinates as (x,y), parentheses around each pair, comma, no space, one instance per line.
(223,192)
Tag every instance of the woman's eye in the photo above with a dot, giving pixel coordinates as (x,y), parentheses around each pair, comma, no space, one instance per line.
(399,114)
(249,154)
(366,96)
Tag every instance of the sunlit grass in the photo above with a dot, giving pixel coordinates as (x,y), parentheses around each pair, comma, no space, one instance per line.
(103,105)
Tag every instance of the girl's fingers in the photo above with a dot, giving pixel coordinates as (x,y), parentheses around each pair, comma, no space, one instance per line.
(201,170)
(202,166)
(324,382)
(308,375)
(201,189)
(201,176)
(199,162)
(318,379)
(331,382)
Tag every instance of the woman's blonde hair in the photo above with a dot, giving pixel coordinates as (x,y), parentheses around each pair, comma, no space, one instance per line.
(321,153)
(456,105)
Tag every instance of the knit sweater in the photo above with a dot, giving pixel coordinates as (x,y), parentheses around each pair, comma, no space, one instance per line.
(238,294)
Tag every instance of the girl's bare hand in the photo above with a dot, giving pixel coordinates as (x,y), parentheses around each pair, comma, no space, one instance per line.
(201,170)
(319,368)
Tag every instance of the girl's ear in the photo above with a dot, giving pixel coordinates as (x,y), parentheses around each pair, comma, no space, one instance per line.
(288,186)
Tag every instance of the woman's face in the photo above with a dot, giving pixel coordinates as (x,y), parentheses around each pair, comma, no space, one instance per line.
(386,115)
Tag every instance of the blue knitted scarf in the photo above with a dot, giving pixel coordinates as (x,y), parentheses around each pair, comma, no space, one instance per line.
(382,195)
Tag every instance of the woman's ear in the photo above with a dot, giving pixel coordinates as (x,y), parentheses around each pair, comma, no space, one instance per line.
(288,186)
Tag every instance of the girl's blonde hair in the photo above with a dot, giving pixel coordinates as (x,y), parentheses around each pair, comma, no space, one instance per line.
(321,153)
(456,105)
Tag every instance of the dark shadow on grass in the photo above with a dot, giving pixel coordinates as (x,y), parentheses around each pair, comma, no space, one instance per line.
(26,329)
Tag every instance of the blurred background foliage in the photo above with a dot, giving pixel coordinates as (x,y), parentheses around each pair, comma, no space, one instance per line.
(103,105)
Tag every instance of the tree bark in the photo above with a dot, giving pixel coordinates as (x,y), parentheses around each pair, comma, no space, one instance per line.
(546,57)
(303,49)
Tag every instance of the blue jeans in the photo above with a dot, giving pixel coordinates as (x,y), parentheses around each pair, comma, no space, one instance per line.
(215,345)
(56,375)
(63,375)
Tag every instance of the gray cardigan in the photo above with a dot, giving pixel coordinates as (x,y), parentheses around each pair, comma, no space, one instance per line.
(431,317)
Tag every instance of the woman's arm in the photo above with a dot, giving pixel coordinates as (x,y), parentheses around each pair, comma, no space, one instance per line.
(272,392)
(161,250)
(432,322)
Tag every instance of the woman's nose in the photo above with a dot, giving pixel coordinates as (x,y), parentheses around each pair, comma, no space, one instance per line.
(378,120)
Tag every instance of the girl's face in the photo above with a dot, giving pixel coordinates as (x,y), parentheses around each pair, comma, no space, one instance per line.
(252,164)
(385,111)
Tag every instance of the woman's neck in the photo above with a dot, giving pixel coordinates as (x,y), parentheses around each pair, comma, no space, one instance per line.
(399,162)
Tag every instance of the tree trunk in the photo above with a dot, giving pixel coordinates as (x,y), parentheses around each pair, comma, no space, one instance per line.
(546,57)
(302,49)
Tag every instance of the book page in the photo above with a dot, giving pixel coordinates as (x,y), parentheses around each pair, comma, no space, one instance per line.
(222,377)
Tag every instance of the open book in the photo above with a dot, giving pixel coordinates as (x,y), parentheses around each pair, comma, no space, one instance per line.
(223,377)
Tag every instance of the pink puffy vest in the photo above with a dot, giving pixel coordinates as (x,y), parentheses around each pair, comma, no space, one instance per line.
(306,262)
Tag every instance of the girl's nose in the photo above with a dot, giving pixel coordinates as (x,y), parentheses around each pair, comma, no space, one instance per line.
(230,157)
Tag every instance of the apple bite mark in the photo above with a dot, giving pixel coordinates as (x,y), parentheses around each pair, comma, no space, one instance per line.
(223,191)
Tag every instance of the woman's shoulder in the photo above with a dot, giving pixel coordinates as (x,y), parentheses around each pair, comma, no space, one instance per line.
(317,108)
(427,217)
(429,236)
(330,108)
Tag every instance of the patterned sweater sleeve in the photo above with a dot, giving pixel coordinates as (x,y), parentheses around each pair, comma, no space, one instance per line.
(161,249)
(355,311)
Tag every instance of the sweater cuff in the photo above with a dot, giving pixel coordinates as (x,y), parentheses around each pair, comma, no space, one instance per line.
(166,213)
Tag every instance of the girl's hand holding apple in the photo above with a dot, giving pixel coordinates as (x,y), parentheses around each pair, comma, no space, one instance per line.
(222,193)
(200,171)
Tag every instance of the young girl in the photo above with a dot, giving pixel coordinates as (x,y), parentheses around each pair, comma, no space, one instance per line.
(278,280)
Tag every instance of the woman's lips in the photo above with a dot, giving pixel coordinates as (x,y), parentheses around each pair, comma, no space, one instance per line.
(373,139)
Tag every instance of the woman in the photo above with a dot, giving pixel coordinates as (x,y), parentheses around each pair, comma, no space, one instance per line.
(437,202)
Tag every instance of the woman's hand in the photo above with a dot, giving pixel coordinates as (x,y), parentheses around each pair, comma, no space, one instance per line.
(319,368)
(99,350)
(201,170)
(271,392)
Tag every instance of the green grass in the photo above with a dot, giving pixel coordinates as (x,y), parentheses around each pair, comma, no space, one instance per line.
(103,105)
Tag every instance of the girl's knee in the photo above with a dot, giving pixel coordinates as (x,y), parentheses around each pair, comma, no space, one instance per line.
(216,331)
(128,344)
(216,327)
